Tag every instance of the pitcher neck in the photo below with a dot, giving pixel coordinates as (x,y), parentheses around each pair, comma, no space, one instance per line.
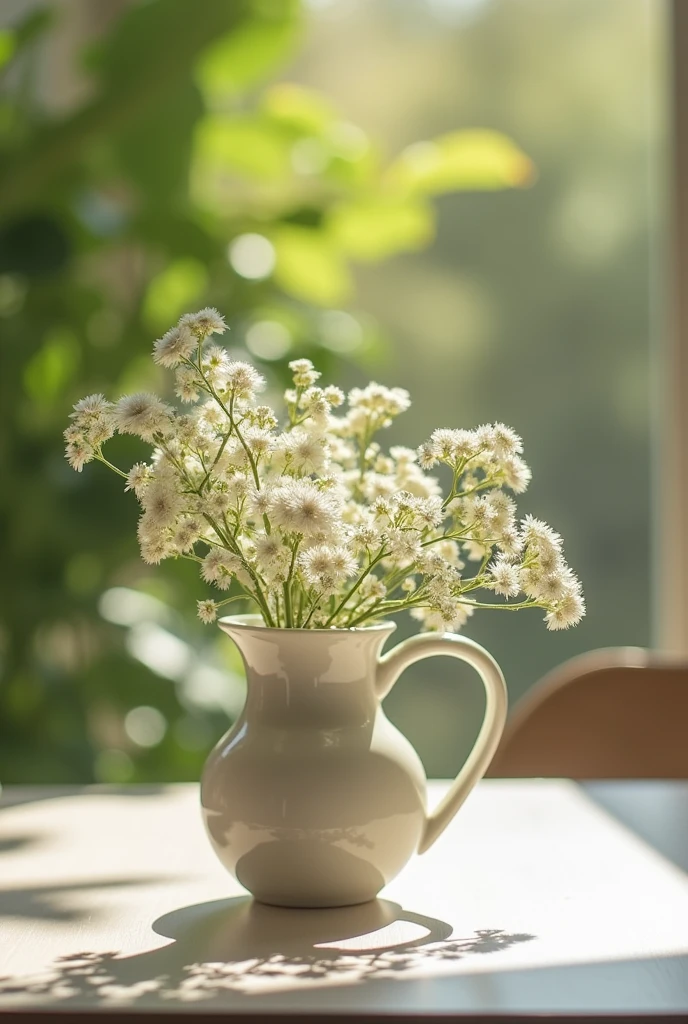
(317,677)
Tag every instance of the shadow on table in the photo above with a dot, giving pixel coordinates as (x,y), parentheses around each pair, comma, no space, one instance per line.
(14,796)
(240,947)
(51,902)
(10,844)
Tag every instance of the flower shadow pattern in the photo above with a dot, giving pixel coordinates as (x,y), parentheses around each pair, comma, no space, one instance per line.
(228,950)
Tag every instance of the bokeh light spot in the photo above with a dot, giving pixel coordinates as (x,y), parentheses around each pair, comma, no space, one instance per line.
(145,726)
(252,256)
(268,339)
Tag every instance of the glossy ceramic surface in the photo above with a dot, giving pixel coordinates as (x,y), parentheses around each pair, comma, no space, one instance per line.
(314,799)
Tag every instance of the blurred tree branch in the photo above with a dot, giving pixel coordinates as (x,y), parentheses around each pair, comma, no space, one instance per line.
(129,94)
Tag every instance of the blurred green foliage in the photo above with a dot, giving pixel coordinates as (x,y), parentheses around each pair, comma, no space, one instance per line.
(158,172)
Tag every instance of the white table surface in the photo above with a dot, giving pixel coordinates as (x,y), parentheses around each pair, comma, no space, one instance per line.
(536,899)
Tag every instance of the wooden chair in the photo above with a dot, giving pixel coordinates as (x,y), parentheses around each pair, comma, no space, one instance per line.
(610,714)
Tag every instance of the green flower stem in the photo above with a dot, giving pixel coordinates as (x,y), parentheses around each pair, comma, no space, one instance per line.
(217,458)
(231,545)
(314,607)
(229,413)
(287,585)
(381,607)
(504,607)
(101,458)
(381,554)
(246,596)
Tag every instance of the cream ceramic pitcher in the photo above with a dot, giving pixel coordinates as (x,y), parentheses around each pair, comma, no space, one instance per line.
(313,798)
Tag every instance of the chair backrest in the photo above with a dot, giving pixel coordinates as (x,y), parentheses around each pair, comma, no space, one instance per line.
(610,714)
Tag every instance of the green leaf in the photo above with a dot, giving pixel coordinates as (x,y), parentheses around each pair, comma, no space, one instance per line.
(310,266)
(307,111)
(471,159)
(243,57)
(246,145)
(23,34)
(375,228)
(8,44)
(53,366)
(172,291)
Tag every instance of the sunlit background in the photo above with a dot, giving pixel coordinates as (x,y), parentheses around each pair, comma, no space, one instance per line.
(456,196)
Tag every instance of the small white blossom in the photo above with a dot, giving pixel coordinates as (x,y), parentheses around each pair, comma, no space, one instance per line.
(304,375)
(517,475)
(299,506)
(187,382)
(91,407)
(142,414)
(78,453)
(334,396)
(219,567)
(178,344)
(506,578)
(567,612)
(242,381)
(306,452)
(207,610)
(187,532)
(138,478)
(206,321)
(324,567)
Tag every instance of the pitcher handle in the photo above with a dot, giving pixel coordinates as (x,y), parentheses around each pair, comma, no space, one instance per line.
(428,645)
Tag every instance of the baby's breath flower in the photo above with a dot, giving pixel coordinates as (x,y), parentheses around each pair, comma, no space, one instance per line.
(306,452)
(138,478)
(78,453)
(187,532)
(322,504)
(91,407)
(299,506)
(427,457)
(207,610)
(324,567)
(219,567)
(186,384)
(510,542)
(443,444)
(268,546)
(315,405)
(517,475)
(403,545)
(259,442)
(176,345)
(334,396)
(372,588)
(206,321)
(506,578)
(93,425)
(264,417)
(215,358)
(161,500)
(304,375)
(142,414)
(155,544)
(506,443)
(366,535)
(258,502)
(539,536)
(243,381)
(567,612)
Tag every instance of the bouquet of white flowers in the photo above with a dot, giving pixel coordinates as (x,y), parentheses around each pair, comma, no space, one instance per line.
(312,522)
